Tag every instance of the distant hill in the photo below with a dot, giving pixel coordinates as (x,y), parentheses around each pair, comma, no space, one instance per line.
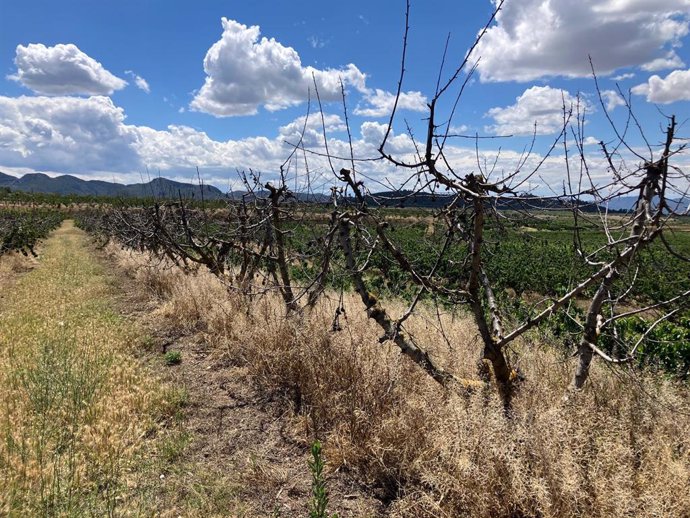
(164,188)
(626,203)
(68,184)
(299,196)
(436,201)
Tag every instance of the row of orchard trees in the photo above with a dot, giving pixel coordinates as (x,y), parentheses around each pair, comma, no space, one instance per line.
(269,240)
(21,228)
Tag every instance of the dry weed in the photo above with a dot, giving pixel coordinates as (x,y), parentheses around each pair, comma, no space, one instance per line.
(621,448)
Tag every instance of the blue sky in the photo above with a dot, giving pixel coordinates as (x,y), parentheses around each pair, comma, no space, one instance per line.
(108,89)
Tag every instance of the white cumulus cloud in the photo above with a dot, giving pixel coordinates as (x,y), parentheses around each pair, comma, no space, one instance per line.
(538,38)
(62,70)
(542,105)
(379,103)
(90,138)
(245,72)
(612,99)
(66,134)
(623,77)
(142,84)
(312,132)
(674,87)
(670,60)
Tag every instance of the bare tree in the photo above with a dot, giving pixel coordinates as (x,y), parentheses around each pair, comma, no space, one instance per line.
(475,201)
(251,243)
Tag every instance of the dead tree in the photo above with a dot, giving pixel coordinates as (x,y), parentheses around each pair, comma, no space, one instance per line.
(474,197)
(254,237)
(474,201)
(646,224)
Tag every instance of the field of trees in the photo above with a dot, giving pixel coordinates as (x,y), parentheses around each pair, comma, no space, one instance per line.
(22,228)
(530,258)
(317,313)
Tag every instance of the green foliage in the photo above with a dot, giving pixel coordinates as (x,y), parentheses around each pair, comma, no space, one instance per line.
(319,502)
(21,229)
(173,404)
(173,357)
(173,445)
(666,346)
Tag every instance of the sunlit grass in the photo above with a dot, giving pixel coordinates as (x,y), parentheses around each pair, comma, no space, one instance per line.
(74,404)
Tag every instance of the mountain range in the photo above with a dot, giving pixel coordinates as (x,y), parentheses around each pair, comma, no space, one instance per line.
(164,188)
(68,184)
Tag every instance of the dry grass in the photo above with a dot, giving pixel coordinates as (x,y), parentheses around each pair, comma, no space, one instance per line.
(621,448)
(12,264)
(75,404)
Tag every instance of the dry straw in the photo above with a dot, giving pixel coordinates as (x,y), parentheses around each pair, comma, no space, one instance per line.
(620,448)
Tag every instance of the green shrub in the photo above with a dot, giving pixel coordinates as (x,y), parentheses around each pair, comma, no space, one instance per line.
(173,357)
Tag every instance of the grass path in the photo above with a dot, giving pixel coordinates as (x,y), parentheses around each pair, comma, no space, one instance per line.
(75,404)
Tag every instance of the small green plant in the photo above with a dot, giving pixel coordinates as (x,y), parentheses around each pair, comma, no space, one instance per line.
(173,402)
(319,501)
(172,447)
(173,357)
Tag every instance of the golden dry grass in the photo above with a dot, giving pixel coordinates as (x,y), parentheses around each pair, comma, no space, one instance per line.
(74,403)
(12,264)
(620,448)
